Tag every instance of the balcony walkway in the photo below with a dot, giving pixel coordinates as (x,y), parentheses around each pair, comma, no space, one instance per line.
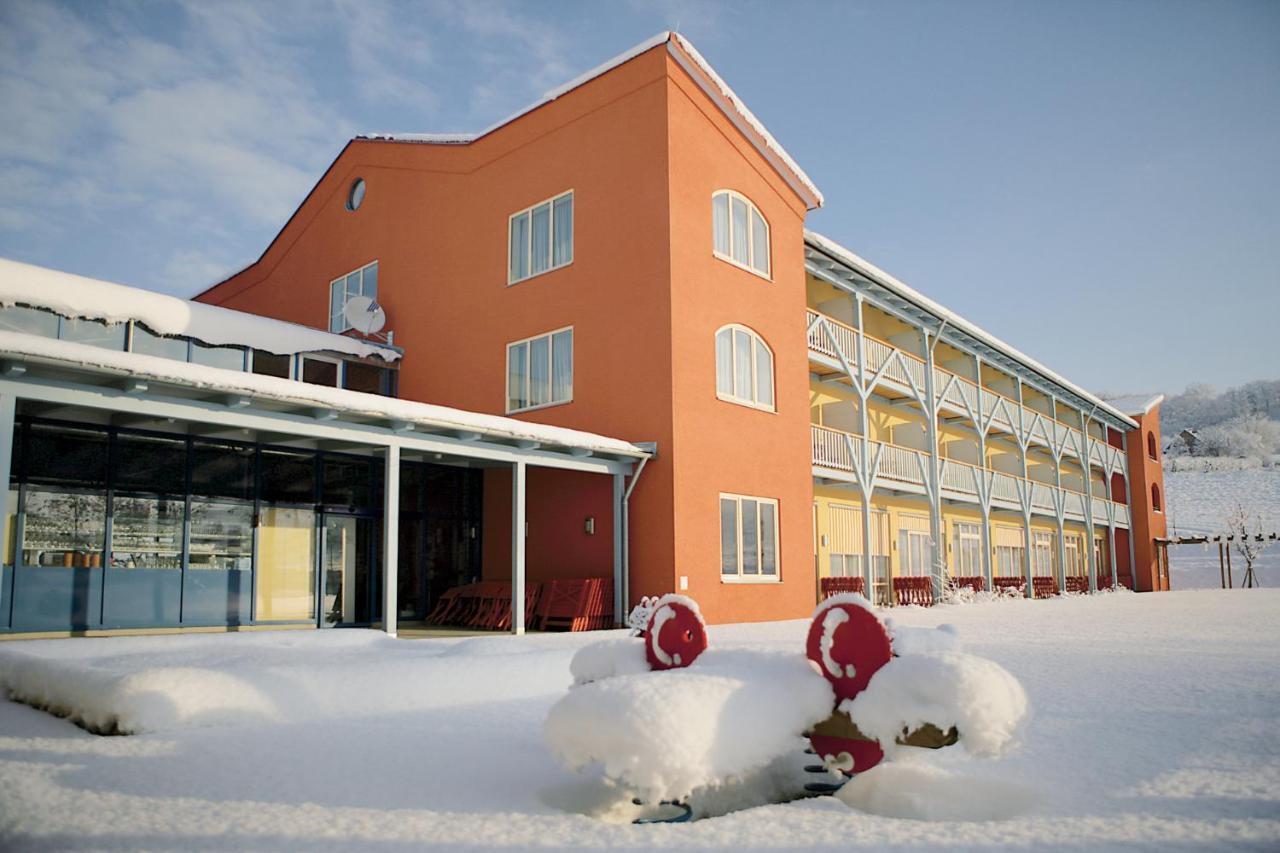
(838,456)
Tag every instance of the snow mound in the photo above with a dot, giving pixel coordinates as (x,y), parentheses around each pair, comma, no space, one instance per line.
(915,791)
(920,641)
(980,698)
(666,734)
(134,685)
(608,658)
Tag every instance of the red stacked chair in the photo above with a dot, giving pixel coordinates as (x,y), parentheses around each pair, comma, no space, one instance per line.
(1009,583)
(911,590)
(836,585)
(973,582)
(1044,587)
(1077,583)
(575,605)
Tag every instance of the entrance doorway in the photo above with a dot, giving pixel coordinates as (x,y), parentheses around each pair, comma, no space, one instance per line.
(347,576)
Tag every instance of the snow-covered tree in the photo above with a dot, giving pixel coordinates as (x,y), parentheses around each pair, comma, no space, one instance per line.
(1246,529)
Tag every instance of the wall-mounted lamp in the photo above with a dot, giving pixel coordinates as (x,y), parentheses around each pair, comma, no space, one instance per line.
(590,526)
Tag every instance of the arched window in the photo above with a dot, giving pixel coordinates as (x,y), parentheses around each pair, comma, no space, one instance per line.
(741,232)
(744,368)
(1155,498)
(1151,444)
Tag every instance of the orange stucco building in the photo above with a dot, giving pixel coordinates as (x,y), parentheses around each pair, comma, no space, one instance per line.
(582,265)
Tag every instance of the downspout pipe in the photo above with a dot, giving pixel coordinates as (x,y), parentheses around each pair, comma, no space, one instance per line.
(652,448)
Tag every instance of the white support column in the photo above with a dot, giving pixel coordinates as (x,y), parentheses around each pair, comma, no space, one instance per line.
(937,570)
(988,571)
(1020,434)
(1111,542)
(619,605)
(517,546)
(1086,466)
(391,540)
(867,480)
(1058,500)
(7,407)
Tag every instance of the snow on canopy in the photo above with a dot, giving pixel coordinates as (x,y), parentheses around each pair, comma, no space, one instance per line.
(737,108)
(80,297)
(1136,404)
(356,403)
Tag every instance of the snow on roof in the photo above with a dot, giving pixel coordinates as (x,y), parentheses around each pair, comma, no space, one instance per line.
(80,297)
(1137,404)
(738,108)
(234,382)
(869,269)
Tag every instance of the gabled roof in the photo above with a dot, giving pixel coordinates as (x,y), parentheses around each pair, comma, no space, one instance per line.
(680,48)
(865,268)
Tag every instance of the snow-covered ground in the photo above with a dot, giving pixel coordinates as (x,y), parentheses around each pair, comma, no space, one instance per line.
(1155,727)
(1199,502)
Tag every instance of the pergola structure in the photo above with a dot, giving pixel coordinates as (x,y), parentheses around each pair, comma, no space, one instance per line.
(77,382)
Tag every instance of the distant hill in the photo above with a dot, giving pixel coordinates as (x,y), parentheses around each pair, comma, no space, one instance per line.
(1203,406)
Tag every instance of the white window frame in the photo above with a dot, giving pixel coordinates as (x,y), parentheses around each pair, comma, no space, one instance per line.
(300,367)
(335,313)
(550,370)
(760,577)
(1043,546)
(756,341)
(1077,561)
(767,275)
(551,236)
(966,535)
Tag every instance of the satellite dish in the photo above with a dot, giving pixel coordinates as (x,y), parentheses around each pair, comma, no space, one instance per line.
(364,315)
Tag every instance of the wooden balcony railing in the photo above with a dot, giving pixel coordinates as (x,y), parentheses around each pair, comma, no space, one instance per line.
(833,339)
(836,449)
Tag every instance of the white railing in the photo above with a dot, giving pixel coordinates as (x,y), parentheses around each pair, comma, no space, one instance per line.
(836,449)
(831,448)
(832,338)
(899,463)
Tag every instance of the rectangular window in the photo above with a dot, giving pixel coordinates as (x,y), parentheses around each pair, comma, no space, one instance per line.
(540,371)
(1073,546)
(369,378)
(1011,549)
(270,364)
(1042,554)
(93,332)
(748,538)
(32,321)
(146,533)
(361,282)
(228,358)
(221,536)
(148,342)
(319,371)
(968,550)
(540,238)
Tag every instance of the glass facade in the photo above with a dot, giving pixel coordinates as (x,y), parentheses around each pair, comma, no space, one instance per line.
(119,528)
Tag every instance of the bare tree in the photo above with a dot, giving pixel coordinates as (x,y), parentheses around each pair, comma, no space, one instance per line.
(1245,529)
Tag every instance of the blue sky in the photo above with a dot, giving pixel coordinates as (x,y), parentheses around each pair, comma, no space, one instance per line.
(1098,183)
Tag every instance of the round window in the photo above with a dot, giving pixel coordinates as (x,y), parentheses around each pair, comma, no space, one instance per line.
(356,195)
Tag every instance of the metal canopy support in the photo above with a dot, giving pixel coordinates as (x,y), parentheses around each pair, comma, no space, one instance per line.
(518,476)
(390,539)
(619,606)
(7,406)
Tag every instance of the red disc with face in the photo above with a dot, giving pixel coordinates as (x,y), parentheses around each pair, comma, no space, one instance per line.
(675,636)
(848,644)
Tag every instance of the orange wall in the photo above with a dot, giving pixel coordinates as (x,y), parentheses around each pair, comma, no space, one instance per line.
(720,446)
(1147,524)
(557,506)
